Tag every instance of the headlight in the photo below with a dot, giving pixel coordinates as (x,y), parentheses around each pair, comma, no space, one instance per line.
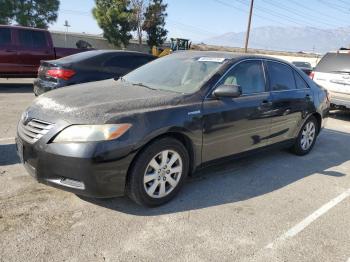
(89,133)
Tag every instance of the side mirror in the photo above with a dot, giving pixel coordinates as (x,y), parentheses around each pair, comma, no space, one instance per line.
(228,91)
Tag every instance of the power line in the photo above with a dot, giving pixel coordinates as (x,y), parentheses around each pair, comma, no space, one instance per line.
(191,27)
(332,6)
(275,14)
(345,2)
(305,7)
(298,13)
(245,11)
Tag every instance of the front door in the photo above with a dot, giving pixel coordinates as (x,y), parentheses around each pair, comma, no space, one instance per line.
(240,124)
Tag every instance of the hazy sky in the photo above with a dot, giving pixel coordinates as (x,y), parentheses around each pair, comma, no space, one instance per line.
(201,19)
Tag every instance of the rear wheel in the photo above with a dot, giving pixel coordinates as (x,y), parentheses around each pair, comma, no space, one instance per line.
(306,138)
(158,173)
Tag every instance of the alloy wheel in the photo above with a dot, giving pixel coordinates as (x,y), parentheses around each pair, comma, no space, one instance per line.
(163,174)
(308,135)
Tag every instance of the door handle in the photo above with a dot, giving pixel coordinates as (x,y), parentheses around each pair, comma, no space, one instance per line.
(10,51)
(308,97)
(266,103)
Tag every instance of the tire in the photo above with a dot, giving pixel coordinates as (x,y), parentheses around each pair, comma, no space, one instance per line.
(301,147)
(149,173)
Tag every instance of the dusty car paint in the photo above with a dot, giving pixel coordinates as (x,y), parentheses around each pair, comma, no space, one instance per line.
(214,128)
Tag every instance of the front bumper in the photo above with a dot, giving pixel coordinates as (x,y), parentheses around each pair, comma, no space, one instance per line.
(96,169)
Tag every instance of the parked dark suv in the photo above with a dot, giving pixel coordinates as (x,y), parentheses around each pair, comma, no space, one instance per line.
(147,131)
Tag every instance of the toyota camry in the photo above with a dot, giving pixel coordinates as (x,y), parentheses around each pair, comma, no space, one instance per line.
(143,134)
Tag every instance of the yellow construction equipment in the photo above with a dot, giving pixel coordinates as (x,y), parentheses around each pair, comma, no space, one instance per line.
(175,45)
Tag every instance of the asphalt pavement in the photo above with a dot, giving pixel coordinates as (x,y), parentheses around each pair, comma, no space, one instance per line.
(271,206)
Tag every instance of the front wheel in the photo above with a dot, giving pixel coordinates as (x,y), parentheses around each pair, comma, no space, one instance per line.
(158,172)
(306,138)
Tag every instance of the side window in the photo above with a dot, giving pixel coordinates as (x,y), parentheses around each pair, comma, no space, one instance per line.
(300,82)
(32,39)
(5,36)
(249,75)
(119,61)
(141,60)
(281,76)
(25,38)
(128,61)
(39,39)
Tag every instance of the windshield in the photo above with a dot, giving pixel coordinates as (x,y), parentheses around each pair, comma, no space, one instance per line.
(176,73)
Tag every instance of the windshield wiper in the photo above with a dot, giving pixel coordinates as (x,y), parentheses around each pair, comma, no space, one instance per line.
(143,85)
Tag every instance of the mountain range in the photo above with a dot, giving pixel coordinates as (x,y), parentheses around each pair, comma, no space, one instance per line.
(307,39)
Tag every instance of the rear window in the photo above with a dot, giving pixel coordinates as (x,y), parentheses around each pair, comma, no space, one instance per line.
(79,57)
(129,61)
(5,36)
(32,39)
(333,62)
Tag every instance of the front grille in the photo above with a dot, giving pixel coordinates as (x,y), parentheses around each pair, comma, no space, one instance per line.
(33,130)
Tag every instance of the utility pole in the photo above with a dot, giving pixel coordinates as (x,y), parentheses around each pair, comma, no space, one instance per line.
(66,24)
(249,23)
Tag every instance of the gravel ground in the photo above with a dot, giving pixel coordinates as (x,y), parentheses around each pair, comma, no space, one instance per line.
(228,213)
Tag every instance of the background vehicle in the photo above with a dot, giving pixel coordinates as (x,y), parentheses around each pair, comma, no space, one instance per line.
(87,67)
(175,45)
(333,73)
(303,66)
(145,132)
(22,49)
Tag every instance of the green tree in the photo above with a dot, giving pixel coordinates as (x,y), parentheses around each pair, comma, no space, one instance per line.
(6,11)
(155,22)
(34,13)
(115,18)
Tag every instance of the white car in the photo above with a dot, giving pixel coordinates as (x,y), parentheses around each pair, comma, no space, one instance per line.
(333,73)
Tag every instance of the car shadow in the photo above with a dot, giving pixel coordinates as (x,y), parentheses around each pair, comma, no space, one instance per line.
(16,88)
(8,155)
(246,178)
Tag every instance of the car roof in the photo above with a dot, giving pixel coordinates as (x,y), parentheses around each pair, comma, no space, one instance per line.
(111,51)
(23,27)
(227,55)
(95,54)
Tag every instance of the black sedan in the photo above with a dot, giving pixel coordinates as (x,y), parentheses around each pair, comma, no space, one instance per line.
(87,67)
(147,131)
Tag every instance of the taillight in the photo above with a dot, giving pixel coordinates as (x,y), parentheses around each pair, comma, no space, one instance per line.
(60,73)
(312,74)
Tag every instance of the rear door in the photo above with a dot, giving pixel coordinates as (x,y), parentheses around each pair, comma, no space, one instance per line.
(333,73)
(8,52)
(33,46)
(291,100)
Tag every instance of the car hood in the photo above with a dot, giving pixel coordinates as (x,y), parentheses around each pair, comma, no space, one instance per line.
(99,102)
